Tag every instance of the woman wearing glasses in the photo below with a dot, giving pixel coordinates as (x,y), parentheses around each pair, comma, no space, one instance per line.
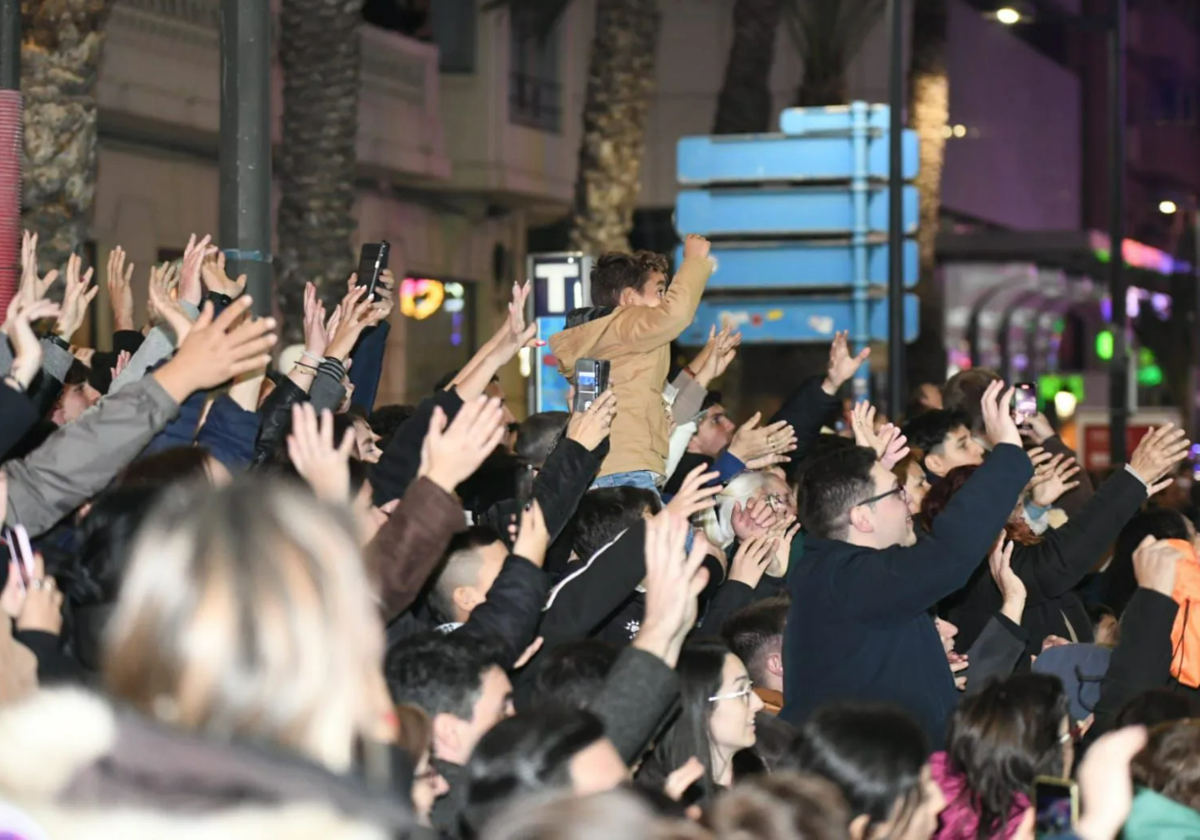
(716,720)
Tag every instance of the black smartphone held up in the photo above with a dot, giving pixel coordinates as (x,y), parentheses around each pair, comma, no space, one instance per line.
(591,380)
(1025,403)
(524,488)
(1057,803)
(371,262)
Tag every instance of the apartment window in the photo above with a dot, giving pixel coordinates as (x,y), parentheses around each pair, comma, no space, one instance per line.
(1174,99)
(534,90)
(453,23)
(410,18)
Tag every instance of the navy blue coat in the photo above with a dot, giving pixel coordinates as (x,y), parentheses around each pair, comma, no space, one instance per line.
(860,627)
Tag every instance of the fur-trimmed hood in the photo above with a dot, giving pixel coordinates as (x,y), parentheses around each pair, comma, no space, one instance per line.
(80,768)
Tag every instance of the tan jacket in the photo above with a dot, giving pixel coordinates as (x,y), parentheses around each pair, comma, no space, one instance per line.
(636,340)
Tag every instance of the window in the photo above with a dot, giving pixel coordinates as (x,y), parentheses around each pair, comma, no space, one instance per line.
(408,17)
(534,89)
(453,24)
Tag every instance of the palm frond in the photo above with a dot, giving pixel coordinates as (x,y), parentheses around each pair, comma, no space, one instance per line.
(828,33)
(541,16)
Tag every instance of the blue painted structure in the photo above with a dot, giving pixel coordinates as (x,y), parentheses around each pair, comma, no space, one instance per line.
(804,210)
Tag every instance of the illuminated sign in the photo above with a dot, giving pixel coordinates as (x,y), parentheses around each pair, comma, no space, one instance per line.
(421,298)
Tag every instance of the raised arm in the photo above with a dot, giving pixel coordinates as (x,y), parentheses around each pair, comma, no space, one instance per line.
(646,328)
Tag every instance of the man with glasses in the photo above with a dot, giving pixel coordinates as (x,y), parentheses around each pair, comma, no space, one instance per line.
(859,625)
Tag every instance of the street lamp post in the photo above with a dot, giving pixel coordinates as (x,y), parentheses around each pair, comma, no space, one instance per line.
(1117,284)
(896,354)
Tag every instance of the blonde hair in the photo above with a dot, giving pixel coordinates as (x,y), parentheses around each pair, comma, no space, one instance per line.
(246,611)
(718,522)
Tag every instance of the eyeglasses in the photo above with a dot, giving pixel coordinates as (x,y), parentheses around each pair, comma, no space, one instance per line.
(743,695)
(776,501)
(894,491)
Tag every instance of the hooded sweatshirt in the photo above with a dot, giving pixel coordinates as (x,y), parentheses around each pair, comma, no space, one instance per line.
(1155,817)
(636,341)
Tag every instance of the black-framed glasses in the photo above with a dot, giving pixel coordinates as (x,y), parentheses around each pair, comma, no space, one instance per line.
(894,491)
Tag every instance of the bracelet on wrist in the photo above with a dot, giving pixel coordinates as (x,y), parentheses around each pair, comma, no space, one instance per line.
(312,368)
(310,355)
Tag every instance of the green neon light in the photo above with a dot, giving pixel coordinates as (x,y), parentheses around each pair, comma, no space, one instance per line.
(1052,383)
(1104,345)
(1150,376)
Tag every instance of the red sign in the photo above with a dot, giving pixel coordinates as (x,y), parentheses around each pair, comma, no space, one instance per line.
(1097,452)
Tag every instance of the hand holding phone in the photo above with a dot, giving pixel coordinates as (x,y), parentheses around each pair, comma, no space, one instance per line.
(372,261)
(1057,804)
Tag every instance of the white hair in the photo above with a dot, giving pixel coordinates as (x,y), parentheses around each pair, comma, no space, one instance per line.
(718,522)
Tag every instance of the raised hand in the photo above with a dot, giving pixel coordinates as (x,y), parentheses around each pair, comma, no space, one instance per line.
(842,366)
(190,288)
(218,349)
(1054,480)
(516,334)
(1157,455)
(120,289)
(122,362)
(1105,784)
(320,462)
(450,455)
(753,520)
(1038,429)
(76,298)
(533,539)
(752,558)
(1012,588)
(316,338)
(27,350)
(590,428)
(674,581)
(895,448)
(752,442)
(693,495)
(717,354)
(356,313)
(42,609)
(1001,428)
(33,285)
(164,308)
(1154,565)
(212,272)
(695,245)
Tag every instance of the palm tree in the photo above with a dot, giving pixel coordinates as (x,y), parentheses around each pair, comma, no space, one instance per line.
(320,54)
(619,88)
(929,116)
(61,45)
(744,105)
(828,34)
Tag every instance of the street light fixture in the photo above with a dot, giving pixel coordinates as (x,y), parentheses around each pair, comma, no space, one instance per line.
(1008,16)
(1167,207)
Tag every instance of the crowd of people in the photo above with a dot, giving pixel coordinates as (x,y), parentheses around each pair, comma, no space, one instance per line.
(245,601)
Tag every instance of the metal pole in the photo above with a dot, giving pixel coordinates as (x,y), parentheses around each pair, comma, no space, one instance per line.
(10,44)
(12,134)
(1117,285)
(245,196)
(896,215)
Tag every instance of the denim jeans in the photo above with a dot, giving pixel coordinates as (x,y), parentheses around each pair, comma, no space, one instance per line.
(642,479)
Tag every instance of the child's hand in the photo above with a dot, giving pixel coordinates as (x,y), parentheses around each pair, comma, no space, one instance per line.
(695,246)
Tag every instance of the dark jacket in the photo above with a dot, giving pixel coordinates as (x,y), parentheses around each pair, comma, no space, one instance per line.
(859,625)
(806,410)
(104,772)
(512,609)
(275,419)
(1051,568)
(401,461)
(996,653)
(17,416)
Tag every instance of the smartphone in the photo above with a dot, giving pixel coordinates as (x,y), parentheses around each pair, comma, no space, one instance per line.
(1025,403)
(372,260)
(591,380)
(20,552)
(1057,804)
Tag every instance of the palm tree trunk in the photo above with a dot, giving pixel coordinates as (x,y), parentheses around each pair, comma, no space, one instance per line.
(929,114)
(320,53)
(619,88)
(61,45)
(744,105)
(822,85)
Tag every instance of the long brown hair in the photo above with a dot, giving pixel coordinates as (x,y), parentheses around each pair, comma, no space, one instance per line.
(939,496)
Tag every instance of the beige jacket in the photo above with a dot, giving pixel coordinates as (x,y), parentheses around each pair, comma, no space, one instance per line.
(636,340)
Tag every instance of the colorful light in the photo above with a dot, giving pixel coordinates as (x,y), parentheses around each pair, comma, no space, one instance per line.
(420,298)
(1008,16)
(1150,376)
(1104,345)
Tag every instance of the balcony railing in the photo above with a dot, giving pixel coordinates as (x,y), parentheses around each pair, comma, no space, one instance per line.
(534,102)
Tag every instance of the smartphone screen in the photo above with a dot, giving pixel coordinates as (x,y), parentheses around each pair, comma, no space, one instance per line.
(1057,803)
(25,550)
(16,564)
(1025,405)
(587,380)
